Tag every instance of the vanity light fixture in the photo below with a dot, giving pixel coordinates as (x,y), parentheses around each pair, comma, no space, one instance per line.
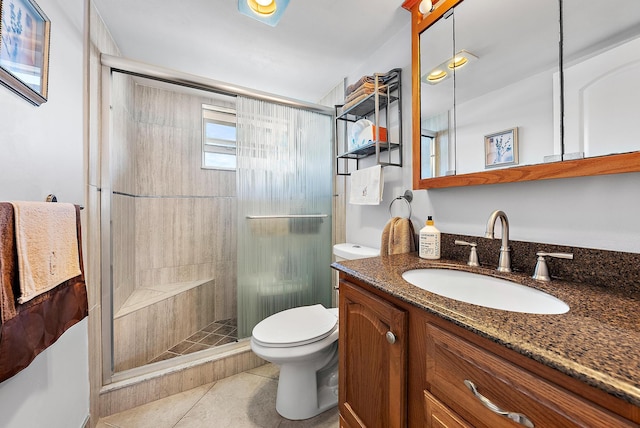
(426,7)
(266,11)
(440,72)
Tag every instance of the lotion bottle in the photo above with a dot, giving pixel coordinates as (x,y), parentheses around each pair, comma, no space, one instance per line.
(429,241)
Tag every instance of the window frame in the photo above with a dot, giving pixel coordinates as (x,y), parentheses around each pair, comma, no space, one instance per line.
(222,116)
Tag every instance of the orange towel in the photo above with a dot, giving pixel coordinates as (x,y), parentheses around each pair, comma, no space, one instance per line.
(47,244)
(398,237)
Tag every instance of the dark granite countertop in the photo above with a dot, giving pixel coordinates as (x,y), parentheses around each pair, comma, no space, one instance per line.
(597,341)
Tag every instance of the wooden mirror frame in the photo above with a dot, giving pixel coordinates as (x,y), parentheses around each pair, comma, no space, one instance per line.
(601,165)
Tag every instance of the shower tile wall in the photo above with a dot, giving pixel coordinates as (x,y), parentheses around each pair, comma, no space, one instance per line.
(173,222)
(123,181)
(153,329)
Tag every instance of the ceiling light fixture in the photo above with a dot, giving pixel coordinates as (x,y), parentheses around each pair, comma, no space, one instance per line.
(439,73)
(266,11)
(263,7)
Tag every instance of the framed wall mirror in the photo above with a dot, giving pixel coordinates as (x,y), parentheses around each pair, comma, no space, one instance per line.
(484,71)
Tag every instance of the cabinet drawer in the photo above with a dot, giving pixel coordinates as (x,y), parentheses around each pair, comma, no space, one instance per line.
(451,360)
(440,416)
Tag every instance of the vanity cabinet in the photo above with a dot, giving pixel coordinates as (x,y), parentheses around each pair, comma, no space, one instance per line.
(420,379)
(373,355)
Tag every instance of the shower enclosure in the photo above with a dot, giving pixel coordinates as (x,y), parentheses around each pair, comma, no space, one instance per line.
(284,206)
(197,256)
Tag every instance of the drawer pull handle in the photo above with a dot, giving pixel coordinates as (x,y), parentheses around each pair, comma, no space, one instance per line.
(516,417)
(391,338)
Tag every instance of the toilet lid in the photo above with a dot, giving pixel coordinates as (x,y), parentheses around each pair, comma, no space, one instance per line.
(295,327)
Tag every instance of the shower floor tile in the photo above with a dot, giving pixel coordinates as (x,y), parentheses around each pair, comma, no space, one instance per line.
(215,334)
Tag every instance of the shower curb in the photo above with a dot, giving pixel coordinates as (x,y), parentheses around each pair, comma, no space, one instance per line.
(144,388)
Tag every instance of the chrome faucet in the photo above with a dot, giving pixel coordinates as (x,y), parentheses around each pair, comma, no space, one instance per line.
(504,265)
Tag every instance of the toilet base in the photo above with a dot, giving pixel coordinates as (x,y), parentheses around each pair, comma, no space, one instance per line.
(304,391)
(309,403)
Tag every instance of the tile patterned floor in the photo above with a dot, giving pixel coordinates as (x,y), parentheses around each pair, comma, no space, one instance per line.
(245,400)
(215,334)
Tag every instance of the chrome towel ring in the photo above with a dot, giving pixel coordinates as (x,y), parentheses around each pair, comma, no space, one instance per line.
(407,197)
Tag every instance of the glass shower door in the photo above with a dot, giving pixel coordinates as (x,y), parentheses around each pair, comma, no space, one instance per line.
(284,185)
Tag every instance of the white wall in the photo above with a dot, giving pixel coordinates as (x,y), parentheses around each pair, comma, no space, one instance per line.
(42,146)
(54,390)
(593,212)
(41,152)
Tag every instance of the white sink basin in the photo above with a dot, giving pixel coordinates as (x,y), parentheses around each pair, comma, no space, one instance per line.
(485,291)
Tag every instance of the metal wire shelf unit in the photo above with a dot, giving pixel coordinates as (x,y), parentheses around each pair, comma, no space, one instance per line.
(383,105)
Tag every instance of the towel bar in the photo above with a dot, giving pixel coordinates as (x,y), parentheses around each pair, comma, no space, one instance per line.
(254,217)
(53,198)
(407,197)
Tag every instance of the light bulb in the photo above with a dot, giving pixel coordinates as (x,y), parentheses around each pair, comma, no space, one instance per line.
(425,7)
(262,7)
(436,75)
(457,62)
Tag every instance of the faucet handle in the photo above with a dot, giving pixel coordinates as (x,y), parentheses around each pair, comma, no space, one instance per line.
(473,255)
(541,272)
(556,255)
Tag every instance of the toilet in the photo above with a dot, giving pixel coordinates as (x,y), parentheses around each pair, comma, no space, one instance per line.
(303,341)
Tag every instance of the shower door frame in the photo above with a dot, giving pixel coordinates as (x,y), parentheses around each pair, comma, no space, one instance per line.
(112,64)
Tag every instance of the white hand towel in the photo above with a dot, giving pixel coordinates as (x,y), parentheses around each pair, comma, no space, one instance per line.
(366,186)
(47,244)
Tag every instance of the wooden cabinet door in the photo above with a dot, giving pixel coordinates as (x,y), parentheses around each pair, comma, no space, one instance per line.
(373,353)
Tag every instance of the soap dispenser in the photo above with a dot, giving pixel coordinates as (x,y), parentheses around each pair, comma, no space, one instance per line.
(429,241)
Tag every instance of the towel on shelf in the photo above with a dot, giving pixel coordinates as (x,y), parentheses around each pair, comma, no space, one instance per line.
(398,237)
(363,80)
(365,89)
(366,186)
(47,246)
(348,104)
(359,95)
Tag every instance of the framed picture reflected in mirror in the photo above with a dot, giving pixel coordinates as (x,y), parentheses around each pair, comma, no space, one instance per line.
(501,148)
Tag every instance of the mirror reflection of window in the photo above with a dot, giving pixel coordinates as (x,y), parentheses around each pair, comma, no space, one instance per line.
(437,150)
(427,155)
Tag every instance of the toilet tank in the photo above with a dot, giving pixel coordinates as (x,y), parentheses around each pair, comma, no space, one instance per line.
(348,251)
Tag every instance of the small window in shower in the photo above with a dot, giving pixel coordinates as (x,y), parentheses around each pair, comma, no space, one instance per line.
(218,137)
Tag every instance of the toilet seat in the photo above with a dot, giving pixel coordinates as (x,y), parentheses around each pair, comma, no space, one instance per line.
(295,327)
